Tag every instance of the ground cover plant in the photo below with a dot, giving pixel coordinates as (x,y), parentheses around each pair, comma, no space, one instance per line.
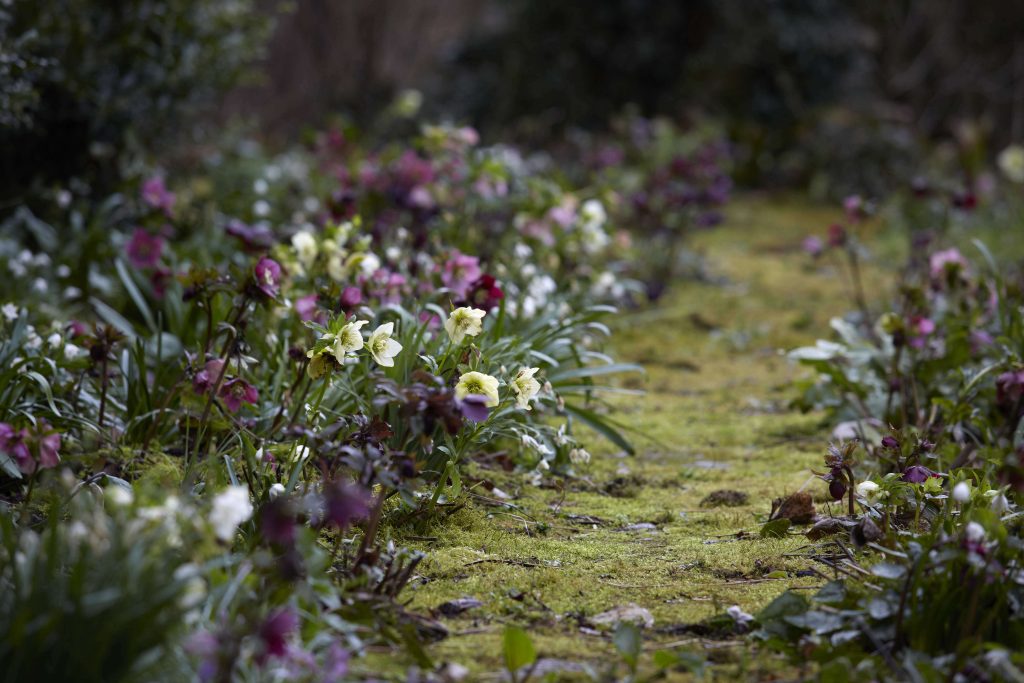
(581,397)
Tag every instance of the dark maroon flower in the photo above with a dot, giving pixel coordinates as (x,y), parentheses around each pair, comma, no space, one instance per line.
(966,201)
(278,520)
(237,391)
(1010,388)
(144,250)
(836,235)
(344,503)
(484,293)
(253,238)
(268,277)
(474,407)
(917,474)
(158,280)
(275,630)
(156,195)
(837,489)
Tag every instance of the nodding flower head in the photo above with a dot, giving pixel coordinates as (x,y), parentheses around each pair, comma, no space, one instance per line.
(267,275)
(144,250)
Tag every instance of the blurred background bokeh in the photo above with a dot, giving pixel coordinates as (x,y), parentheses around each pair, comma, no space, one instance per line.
(822,94)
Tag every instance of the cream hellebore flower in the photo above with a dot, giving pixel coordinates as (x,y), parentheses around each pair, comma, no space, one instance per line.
(464,322)
(305,247)
(480,384)
(1011,163)
(348,340)
(317,366)
(867,489)
(382,347)
(230,508)
(525,387)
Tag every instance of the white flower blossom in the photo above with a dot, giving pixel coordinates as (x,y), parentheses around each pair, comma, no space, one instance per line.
(382,347)
(231,507)
(464,322)
(479,384)
(525,387)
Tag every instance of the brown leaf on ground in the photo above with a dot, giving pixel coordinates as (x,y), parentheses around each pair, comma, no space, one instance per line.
(797,508)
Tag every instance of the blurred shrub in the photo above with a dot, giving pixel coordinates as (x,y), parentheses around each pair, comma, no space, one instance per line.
(85,80)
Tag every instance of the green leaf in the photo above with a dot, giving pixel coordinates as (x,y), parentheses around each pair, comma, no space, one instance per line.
(8,465)
(602,426)
(628,642)
(593,371)
(518,649)
(136,295)
(776,528)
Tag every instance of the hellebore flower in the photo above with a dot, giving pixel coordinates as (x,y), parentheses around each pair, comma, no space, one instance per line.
(474,407)
(277,520)
(143,250)
(253,238)
(525,387)
(306,248)
(480,384)
(464,322)
(890,442)
(13,443)
(48,444)
(813,246)
(206,378)
(350,298)
(344,503)
(268,277)
(917,474)
(485,293)
(348,340)
(157,196)
(836,235)
(382,347)
(305,306)
(459,272)
(1011,163)
(318,365)
(962,492)
(946,263)
(237,391)
(230,508)
(275,630)
(867,489)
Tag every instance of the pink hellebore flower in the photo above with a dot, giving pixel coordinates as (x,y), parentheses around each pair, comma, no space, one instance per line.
(206,378)
(305,306)
(156,195)
(237,391)
(276,629)
(922,328)
(943,263)
(813,246)
(268,277)
(18,444)
(13,443)
(460,272)
(144,250)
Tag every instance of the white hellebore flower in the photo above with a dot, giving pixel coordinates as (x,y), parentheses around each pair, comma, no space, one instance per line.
(525,387)
(464,322)
(480,384)
(349,339)
(317,366)
(867,489)
(579,456)
(975,532)
(382,347)
(962,492)
(276,489)
(231,507)
(306,248)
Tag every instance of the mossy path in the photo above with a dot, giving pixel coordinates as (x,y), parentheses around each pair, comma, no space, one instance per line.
(714,416)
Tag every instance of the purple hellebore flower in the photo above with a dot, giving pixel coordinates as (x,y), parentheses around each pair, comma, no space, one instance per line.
(917,474)
(254,238)
(350,298)
(306,307)
(890,442)
(268,277)
(12,442)
(474,407)
(941,263)
(854,207)
(335,664)
(277,521)
(144,250)
(237,391)
(836,235)
(344,503)
(157,196)
(207,377)
(275,629)
(813,246)
(460,271)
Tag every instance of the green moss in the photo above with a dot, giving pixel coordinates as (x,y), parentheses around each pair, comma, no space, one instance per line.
(714,416)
